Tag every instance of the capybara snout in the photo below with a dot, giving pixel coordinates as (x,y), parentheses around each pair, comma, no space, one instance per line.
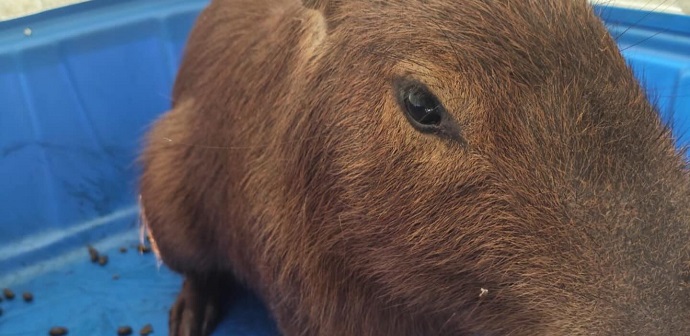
(418,168)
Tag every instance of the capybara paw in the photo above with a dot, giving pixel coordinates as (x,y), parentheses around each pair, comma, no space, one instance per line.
(196,311)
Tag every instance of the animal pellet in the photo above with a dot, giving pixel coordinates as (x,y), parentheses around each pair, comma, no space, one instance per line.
(124,331)
(143,248)
(9,294)
(58,331)
(93,253)
(116,276)
(146,330)
(102,260)
(27,296)
(123,249)
(0,311)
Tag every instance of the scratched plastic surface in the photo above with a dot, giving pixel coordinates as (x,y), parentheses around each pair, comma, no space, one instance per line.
(85,298)
(80,85)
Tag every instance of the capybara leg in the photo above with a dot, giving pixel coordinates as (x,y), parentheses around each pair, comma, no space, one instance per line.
(200,304)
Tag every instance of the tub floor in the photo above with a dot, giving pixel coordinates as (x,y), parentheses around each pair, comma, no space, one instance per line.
(83,297)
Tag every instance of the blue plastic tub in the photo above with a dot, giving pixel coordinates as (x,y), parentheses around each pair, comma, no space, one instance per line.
(78,88)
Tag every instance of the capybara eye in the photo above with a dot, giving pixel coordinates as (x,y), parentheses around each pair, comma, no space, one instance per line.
(422,106)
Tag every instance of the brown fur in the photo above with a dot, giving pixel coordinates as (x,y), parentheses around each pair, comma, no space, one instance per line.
(561,208)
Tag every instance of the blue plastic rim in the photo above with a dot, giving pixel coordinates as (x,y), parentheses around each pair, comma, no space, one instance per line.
(657,46)
(79,88)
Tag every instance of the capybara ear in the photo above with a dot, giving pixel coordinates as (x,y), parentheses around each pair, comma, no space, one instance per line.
(328,9)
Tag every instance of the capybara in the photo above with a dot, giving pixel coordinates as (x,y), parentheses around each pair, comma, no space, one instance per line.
(409,167)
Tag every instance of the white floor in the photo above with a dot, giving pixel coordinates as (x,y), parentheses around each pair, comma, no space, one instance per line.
(10,9)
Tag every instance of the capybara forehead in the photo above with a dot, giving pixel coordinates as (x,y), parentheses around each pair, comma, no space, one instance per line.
(467,30)
(527,70)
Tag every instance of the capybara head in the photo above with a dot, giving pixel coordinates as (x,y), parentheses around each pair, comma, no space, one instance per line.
(423,168)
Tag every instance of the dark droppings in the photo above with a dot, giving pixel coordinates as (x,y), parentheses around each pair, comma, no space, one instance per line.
(146,330)
(123,249)
(28,297)
(1,313)
(102,260)
(116,276)
(124,330)
(93,253)
(9,294)
(57,331)
(143,248)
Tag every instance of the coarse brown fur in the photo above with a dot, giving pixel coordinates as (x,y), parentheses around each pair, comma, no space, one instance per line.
(559,207)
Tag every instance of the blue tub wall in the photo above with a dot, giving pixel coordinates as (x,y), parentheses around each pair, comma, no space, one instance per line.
(657,47)
(77,95)
(76,98)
